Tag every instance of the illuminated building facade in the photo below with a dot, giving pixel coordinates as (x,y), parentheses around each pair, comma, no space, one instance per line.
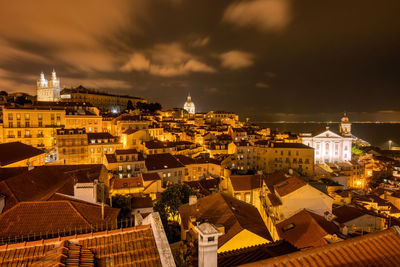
(72,146)
(331,147)
(48,91)
(35,126)
(105,102)
(189,105)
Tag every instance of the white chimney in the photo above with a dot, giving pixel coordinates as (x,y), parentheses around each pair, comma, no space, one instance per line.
(208,244)
(192,199)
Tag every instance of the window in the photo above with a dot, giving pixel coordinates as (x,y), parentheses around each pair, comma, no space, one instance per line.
(238,196)
(10,124)
(120,167)
(92,150)
(27,117)
(248,197)
(211,238)
(10,116)
(19,133)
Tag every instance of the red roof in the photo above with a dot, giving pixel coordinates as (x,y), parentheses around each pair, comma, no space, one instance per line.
(134,246)
(246,182)
(306,229)
(289,185)
(16,151)
(40,217)
(233,214)
(122,183)
(376,249)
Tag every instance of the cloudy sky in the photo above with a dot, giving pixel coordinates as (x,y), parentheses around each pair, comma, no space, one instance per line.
(267,59)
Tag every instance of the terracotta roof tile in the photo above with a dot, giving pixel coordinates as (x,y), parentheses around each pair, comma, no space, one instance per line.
(151,176)
(289,185)
(121,183)
(375,249)
(162,161)
(233,214)
(306,229)
(134,246)
(251,254)
(16,151)
(346,213)
(40,217)
(246,182)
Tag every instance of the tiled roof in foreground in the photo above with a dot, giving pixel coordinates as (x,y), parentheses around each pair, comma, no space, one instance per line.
(376,249)
(133,246)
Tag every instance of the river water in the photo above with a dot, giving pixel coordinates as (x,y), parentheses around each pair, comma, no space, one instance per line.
(377,134)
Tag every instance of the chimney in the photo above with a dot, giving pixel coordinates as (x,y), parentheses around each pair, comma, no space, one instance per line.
(328,216)
(208,244)
(102,210)
(192,199)
(343,229)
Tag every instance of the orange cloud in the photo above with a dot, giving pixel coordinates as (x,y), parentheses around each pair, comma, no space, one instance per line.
(73,32)
(236,59)
(262,85)
(265,15)
(166,60)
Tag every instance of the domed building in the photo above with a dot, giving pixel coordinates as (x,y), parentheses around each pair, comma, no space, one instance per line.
(189,105)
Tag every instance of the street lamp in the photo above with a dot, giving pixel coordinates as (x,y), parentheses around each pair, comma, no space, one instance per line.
(390,144)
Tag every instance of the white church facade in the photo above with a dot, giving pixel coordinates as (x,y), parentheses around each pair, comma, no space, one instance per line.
(48,91)
(331,147)
(189,105)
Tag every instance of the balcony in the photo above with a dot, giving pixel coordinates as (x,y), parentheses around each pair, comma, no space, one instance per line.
(10,136)
(27,136)
(40,135)
(54,126)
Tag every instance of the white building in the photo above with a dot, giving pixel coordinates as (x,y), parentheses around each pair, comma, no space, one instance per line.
(189,105)
(331,147)
(48,91)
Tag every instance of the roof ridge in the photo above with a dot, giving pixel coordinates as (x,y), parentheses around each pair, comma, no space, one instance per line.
(79,214)
(9,188)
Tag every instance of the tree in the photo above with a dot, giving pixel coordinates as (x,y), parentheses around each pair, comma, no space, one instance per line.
(172,198)
(149,107)
(130,106)
(124,203)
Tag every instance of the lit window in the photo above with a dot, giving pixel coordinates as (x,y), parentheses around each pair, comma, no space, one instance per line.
(247,196)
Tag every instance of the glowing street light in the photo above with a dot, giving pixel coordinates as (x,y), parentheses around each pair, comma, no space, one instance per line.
(390,144)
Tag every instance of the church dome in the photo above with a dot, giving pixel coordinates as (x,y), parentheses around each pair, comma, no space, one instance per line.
(189,105)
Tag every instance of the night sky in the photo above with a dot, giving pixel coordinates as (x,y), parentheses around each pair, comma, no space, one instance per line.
(268,59)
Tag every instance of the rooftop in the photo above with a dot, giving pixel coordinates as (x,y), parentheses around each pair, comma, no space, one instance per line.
(306,229)
(162,161)
(40,217)
(129,246)
(16,151)
(247,182)
(233,214)
(376,249)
